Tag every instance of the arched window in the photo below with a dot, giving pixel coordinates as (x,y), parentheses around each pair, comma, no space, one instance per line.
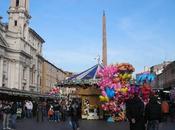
(32,75)
(17,3)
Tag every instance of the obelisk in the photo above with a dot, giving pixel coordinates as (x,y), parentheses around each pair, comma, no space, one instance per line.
(104,51)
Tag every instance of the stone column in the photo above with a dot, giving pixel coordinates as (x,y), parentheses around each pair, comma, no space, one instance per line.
(1,71)
(21,78)
(27,5)
(12,75)
(27,78)
(9,74)
(18,73)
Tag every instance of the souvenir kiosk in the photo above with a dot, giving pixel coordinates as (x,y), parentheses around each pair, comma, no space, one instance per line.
(87,90)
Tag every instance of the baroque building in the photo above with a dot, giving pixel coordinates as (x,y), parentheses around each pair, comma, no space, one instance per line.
(20,50)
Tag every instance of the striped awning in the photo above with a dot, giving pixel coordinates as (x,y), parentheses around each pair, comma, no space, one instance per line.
(88,76)
(90,73)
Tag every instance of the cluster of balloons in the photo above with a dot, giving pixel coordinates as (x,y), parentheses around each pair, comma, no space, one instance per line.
(54,90)
(145,77)
(115,86)
(125,67)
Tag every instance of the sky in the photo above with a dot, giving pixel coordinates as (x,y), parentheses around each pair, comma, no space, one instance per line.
(139,32)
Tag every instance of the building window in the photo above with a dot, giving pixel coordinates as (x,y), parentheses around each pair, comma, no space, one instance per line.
(32,74)
(17,3)
(15,23)
(3,81)
(24,73)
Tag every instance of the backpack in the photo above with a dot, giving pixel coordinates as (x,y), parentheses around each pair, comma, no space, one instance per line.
(50,112)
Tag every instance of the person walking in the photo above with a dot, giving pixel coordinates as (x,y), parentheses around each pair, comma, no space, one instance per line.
(153,114)
(29,106)
(134,113)
(74,115)
(172,110)
(27,111)
(1,110)
(51,114)
(64,111)
(40,112)
(57,109)
(13,112)
(6,115)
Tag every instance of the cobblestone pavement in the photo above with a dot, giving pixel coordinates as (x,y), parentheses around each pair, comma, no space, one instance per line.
(27,124)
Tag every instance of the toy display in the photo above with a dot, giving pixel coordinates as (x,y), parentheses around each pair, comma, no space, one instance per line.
(89,111)
(115,88)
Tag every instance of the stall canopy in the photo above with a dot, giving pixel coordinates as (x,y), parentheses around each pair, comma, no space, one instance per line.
(88,77)
(16,92)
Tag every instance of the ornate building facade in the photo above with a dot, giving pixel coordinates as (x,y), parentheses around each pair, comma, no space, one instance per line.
(20,50)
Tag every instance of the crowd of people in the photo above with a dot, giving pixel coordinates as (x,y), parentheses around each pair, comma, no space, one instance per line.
(53,111)
(147,116)
(140,116)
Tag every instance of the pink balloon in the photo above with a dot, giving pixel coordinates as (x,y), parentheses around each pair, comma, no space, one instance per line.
(104,93)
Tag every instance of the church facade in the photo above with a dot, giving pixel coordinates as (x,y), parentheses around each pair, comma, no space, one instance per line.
(20,50)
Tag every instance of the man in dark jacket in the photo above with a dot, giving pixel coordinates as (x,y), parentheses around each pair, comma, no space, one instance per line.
(172,110)
(57,111)
(13,112)
(153,114)
(134,113)
(40,112)
(74,115)
(6,115)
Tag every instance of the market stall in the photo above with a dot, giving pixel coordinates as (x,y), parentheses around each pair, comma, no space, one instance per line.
(86,89)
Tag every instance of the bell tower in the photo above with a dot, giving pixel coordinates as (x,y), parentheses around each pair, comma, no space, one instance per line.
(19,17)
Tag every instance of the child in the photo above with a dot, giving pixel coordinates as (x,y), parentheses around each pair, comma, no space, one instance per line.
(50,113)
